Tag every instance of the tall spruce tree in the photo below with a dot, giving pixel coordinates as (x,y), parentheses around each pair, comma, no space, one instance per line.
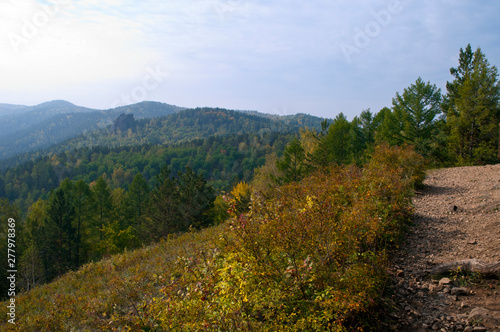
(60,233)
(177,203)
(138,199)
(336,146)
(293,164)
(82,201)
(472,109)
(416,113)
(103,204)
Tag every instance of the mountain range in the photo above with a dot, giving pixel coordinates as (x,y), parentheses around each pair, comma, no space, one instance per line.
(28,128)
(27,132)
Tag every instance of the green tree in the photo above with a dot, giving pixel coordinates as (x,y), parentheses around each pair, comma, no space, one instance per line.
(336,146)
(138,199)
(361,136)
(293,164)
(34,261)
(196,199)
(60,233)
(103,204)
(416,111)
(465,67)
(386,127)
(163,213)
(472,108)
(82,201)
(177,203)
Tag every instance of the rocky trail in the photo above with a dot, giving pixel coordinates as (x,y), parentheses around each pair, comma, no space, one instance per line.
(457,218)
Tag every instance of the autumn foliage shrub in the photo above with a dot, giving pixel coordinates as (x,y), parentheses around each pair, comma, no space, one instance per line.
(310,258)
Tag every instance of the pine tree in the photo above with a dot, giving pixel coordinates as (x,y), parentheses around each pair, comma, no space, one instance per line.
(60,233)
(416,112)
(293,164)
(82,201)
(163,213)
(138,199)
(472,109)
(178,203)
(103,204)
(336,146)
(195,197)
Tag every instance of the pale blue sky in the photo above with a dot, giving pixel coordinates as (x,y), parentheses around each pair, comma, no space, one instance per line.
(320,57)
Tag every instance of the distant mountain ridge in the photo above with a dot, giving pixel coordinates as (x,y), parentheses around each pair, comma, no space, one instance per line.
(23,117)
(7,109)
(29,128)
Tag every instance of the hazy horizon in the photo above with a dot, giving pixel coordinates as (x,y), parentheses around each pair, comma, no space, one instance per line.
(316,57)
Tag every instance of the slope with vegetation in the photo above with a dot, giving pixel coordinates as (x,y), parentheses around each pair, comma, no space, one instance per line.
(302,247)
(310,257)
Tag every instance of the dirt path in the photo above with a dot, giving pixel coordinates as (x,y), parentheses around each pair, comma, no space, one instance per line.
(457,217)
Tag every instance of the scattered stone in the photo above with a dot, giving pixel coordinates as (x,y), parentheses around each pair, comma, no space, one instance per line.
(487,317)
(438,288)
(478,313)
(472,242)
(480,329)
(416,313)
(445,281)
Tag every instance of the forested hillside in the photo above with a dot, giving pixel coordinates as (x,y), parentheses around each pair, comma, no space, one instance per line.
(37,127)
(224,160)
(190,124)
(180,127)
(7,109)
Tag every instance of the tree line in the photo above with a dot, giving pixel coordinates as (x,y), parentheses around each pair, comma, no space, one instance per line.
(80,223)
(457,128)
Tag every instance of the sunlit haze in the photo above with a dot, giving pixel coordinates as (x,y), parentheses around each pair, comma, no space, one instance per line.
(283,57)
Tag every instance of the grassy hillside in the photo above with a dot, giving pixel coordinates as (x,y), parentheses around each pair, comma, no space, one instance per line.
(106,294)
(310,258)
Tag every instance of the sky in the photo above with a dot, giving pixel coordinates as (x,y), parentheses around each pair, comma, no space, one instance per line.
(320,57)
